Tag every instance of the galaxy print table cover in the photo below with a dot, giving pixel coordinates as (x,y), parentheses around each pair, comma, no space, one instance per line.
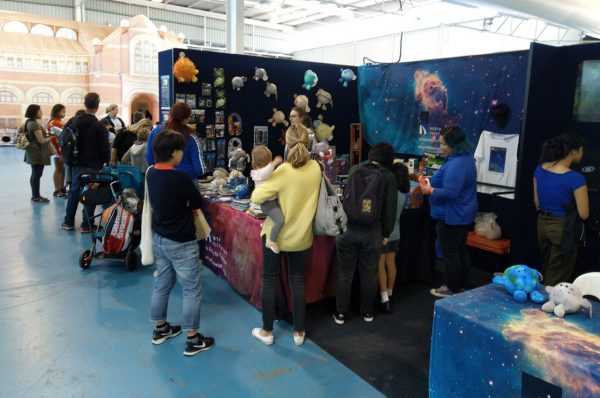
(235,254)
(484,344)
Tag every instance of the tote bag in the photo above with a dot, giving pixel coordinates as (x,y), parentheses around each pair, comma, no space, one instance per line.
(330,218)
(146,238)
(202,227)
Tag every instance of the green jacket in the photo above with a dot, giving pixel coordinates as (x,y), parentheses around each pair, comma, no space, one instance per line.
(36,153)
(390,199)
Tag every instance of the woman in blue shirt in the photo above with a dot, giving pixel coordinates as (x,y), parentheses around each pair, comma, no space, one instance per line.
(556,187)
(453,201)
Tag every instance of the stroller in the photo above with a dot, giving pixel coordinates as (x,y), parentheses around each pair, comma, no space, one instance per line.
(119,229)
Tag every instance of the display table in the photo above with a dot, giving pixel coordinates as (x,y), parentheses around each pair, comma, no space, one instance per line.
(235,254)
(484,344)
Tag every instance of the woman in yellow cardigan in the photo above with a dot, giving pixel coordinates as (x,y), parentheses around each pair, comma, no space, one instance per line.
(296,185)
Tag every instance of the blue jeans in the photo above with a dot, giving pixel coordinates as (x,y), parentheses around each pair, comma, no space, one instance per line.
(176,261)
(73,198)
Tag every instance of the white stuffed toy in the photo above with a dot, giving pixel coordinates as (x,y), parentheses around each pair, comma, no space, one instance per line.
(260,74)
(324,99)
(271,89)
(301,101)
(278,118)
(564,299)
(238,82)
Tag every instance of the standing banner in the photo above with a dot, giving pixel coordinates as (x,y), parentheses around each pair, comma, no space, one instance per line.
(408,104)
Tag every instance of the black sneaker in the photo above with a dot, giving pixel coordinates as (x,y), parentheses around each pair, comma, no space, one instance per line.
(40,199)
(367,316)
(386,307)
(197,344)
(339,318)
(160,336)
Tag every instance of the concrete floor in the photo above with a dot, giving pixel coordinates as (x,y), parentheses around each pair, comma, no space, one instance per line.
(68,332)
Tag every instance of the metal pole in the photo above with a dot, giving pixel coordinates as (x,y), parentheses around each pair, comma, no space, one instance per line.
(235,26)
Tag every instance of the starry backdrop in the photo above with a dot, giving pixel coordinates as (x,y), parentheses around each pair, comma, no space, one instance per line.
(407,104)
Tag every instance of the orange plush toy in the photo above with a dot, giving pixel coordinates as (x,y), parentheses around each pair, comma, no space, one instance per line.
(184,70)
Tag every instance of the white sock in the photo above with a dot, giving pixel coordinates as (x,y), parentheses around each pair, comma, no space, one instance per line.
(389,292)
(384,296)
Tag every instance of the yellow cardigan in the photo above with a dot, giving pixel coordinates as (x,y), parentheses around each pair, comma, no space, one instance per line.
(298,192)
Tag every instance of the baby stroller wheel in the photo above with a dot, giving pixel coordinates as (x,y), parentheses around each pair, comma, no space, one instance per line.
(85,259)
(131,260)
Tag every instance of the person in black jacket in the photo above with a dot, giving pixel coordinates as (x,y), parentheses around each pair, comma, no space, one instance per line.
(94,152)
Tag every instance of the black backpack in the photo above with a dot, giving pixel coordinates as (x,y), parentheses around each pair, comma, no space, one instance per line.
(68,141)
(364,195)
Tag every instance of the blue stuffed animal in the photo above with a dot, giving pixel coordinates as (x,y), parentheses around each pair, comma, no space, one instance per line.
(521,281)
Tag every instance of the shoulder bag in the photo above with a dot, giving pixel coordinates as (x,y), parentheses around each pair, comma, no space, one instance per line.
(330,218)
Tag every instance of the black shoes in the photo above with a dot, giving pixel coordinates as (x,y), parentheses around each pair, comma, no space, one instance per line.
(40,199)
(367,316)
(168,331)
(339,318)
(198,343)
(386,307)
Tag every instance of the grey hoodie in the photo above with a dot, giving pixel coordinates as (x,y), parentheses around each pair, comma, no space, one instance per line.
(136,156)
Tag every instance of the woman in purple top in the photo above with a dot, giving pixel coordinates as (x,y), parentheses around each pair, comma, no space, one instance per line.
(556,188)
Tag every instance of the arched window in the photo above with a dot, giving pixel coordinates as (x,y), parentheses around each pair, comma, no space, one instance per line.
(66,33)
(7,96)
(42,30)
(42,97)
(75,98)
(145,60)
(14,26)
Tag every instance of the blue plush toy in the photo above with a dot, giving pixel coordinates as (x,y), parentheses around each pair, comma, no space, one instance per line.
(347,75)
(310,79)
(521,281)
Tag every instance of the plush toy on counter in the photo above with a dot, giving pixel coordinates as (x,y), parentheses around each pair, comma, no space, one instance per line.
(219,178)
(185,70)
(278,118)
(260,74)
(324,99)
(271,89)
(347,75)
(521,282)
(238,160)
(310,79)
(323,131)
(565,298)
(301,101)
(238,82)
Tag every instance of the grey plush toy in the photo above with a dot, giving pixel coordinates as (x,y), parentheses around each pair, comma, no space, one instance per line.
(565,298)
(238,160)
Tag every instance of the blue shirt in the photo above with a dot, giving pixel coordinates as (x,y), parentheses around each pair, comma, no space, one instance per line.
(454,199)
(192,162)
(556,190)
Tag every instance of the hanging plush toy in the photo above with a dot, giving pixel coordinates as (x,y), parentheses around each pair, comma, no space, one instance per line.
(278,118)
(301,101)
(260,74)
(238,82)
(324,99)
(565,298)
(347,75)
(310,79)
(238,160)
(184,70)
(270,90)
(323,131)
(521,282)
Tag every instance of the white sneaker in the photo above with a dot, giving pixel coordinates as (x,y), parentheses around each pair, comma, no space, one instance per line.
(299,339)
(268,340)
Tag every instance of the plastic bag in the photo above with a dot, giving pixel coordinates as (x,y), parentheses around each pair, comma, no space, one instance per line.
(486,226)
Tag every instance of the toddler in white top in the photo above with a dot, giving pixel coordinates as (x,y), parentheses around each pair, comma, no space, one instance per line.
(263,166)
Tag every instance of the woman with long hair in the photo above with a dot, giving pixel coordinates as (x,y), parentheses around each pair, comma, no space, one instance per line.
(54,127)
(453,203)
(557,189)
(37,153)
(296,184)
(125,139)
(192,162)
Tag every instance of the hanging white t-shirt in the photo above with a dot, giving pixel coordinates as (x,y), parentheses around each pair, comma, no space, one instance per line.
(496,158)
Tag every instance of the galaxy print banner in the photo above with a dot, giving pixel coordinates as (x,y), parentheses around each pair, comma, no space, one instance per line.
(408,104)
(485,344)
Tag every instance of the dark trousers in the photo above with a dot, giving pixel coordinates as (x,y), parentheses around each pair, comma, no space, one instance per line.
(36,175)
(270,277)
(453,241)
(357,247)
(271,209)
(73,198)
(556,267)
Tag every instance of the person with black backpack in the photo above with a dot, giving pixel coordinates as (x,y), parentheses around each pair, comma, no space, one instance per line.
(370,199)
(87,153)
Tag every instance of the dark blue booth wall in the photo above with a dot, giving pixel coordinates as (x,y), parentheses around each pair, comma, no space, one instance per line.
(252,104)
(548,112)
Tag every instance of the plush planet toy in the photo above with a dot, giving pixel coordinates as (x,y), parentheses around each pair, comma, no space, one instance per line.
(184,70)
(521,282)
(565,298)
(347,75)
(238,82)
(310,79)
(323,131)
(241,191)
(260,74)
(278,118)
(324,99)
(301,101)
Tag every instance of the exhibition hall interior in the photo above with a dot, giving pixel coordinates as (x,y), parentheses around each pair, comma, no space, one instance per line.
(324,198)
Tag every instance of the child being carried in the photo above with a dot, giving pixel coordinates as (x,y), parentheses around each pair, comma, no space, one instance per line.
(263,166)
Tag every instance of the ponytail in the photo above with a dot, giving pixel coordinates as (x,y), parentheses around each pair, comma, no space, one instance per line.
(559,147)
(296,137)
